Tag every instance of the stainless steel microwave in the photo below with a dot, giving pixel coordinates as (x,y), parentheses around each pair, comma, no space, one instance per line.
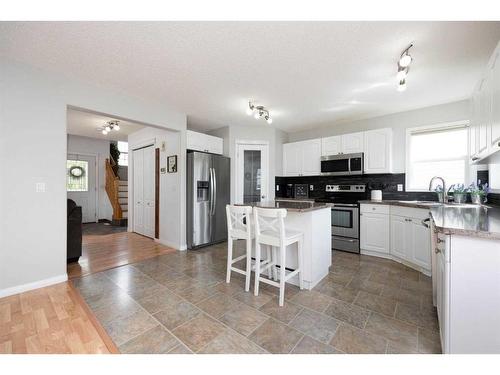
(342,164)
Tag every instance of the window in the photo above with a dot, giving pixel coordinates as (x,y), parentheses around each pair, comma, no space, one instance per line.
(123,148)
(77,175)
(436,151)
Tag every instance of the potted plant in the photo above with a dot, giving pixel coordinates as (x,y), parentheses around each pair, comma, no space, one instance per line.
(440,193)
(459,193)
(479,192)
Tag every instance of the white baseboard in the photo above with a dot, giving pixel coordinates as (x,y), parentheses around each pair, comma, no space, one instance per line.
(396,259)
(34,285)
(171,244)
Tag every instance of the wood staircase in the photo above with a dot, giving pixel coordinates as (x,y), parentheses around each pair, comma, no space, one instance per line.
(117,191)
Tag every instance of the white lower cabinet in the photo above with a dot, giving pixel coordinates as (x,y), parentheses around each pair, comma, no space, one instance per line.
(375,232)
(399,233)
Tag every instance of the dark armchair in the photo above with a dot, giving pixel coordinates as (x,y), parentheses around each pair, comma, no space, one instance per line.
(74,239)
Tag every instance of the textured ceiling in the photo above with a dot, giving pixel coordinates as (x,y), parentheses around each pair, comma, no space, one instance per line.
(306,73)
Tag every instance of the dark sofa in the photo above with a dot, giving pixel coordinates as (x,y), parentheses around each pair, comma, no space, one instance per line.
(74,239)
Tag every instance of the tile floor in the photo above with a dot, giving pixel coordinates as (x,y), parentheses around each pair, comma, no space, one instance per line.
(180,303)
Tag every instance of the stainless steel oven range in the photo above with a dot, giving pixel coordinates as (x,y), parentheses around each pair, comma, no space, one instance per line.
(345,216)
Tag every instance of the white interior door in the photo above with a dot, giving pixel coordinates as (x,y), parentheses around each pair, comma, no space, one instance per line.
(81,184)
(144,191)
(138,186)
(149,191)
(252,174)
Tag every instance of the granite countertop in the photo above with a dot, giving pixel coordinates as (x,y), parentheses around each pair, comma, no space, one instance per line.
(413,204)
(467,220)
(291,205)
(480,221)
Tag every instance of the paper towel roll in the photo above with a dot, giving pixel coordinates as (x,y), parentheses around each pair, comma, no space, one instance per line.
(376,195)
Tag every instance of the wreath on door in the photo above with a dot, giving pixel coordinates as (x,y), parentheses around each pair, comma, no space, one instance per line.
(76,171)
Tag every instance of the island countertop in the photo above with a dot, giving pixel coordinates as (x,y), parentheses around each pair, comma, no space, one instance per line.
(290,205)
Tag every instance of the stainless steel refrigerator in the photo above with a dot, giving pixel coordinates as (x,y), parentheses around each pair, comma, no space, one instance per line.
(208,193)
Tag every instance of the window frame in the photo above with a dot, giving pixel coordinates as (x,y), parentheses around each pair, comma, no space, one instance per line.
(431,128)
(122,152)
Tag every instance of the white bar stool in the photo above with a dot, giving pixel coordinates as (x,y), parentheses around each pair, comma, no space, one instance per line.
(239,227)
(270,230)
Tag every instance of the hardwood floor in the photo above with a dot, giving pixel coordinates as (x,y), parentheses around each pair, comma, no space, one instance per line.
(104,251)
(53,319)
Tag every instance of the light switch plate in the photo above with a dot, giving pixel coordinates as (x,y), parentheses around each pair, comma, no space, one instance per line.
(40,187)
(400,187)
(277,188)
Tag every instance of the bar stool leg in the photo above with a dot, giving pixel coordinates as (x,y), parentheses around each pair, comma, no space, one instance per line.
(270,260)
(300,264)
(282,274)
(229,259)
(249,265)
(257,269)
(275,259)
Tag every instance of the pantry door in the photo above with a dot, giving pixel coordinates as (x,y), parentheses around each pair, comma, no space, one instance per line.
(144,191)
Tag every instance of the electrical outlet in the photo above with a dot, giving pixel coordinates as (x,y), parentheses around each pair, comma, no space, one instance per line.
(400,187)
(311,187)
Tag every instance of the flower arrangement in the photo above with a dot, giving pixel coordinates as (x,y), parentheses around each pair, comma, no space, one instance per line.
(479,192)
(459,192)
(479,189)
(459,189)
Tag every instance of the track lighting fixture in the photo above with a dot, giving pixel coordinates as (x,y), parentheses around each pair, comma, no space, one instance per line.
(108,126)
(403,68)
(259,112)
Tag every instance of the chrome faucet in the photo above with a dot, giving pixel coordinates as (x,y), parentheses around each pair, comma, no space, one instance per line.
(445,193)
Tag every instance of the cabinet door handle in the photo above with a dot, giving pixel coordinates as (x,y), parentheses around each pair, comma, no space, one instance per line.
(424,222)
(437,251)
(439,240)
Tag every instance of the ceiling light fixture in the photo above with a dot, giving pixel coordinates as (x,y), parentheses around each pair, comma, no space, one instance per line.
(404,62)
(108,126)
(259,112)
(402,85)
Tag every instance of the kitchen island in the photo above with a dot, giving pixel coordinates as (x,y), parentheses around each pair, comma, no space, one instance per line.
(314,220)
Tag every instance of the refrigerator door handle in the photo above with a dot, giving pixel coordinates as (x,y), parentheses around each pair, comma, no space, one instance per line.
(215,191)
(211,192)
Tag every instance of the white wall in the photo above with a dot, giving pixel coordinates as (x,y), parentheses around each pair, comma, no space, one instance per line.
(172,185)
(99,147)
(399,122)
(274,136)
(33,149)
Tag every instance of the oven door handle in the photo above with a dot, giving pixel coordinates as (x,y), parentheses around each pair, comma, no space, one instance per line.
(345,239)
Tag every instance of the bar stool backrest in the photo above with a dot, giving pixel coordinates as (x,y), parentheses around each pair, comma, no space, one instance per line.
(269,225)
(239,222)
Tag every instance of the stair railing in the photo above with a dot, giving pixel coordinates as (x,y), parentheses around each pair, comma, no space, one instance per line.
(112,188)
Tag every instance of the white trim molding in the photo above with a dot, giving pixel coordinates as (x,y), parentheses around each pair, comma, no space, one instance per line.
(33,285)
(432,128)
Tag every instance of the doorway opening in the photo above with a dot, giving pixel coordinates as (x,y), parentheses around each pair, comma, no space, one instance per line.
(103,189)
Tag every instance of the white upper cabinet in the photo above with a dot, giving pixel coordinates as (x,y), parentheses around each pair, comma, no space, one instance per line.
(204,142)
(302,158)
(495,103)
(311,157)
(378,151)
(353,143)
(331,145)
(292,159)
(485,118)
(342,144)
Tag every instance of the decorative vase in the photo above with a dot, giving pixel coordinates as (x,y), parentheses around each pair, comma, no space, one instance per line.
(478,198)
(459,197)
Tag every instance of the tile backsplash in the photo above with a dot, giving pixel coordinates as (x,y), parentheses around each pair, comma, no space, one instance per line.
(388,183)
